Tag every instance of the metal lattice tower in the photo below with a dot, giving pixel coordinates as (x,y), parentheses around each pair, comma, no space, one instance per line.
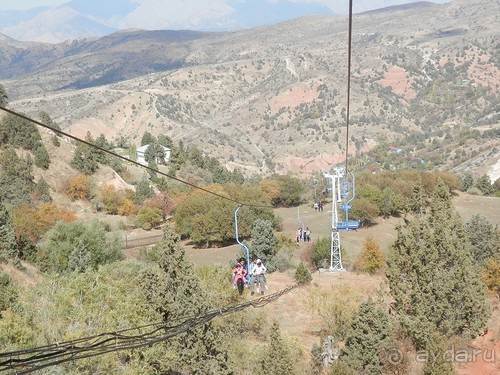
(335,255)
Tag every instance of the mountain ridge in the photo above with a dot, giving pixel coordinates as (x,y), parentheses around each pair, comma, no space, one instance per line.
(272,99)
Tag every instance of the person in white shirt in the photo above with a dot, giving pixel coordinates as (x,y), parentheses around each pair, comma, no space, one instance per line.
(259,277)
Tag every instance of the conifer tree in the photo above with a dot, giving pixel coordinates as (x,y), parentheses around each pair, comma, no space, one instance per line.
(174,292)
(264,242)
(8,292)
(417,202)
(432,278)
(42,191)
(3,96)
(437,362)
(79,259)
(370,329)
(84,158)
(16,179)
(42,158)
(8,245)
(484,238)
(302,274)
(277,359)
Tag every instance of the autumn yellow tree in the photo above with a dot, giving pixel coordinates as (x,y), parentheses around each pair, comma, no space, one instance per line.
(372,258)
(78,187)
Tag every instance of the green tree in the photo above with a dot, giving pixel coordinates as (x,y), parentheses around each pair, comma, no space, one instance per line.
(364,210)
(173,291)
(484,238)
(84,158)
(63,238)
(437,362)
(8,292)
(302,274)
(8,245)
(79,259)
(207,220)
(59,306)
(16,179)
(291,190)
(467,181)
(417,202)
(19,132)
(389,202)
(42,158)
(147,138)
(132,152)
(264,242)
(143,191)
(370,330)
(436,247)
(3,96)
(483,183)
(277,359)
(320,256)
(27,248)
(45,119)
(42,191)
(165,140)
(148,217)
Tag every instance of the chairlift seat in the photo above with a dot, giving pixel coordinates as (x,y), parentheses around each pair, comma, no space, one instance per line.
(348,225)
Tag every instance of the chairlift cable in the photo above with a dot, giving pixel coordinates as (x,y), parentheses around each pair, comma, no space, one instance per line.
(34,359)
(349,53)
(129,160)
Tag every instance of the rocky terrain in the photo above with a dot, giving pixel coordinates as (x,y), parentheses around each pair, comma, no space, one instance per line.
(425,80)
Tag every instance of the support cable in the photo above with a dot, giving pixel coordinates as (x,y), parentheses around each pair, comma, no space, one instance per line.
(30,360)
(349,53)
(129,160)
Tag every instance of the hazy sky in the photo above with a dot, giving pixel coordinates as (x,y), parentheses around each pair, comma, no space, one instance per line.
(336,5)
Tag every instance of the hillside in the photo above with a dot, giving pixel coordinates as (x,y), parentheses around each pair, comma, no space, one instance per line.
(425,78)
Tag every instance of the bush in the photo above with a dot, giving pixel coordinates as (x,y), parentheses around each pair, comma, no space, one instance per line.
(284,259)
(320,256)
(75,240)
(78,187)
(8,293)
(302,274)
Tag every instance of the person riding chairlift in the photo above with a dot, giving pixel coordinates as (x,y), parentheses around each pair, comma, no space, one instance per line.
(259,275)
(239,272)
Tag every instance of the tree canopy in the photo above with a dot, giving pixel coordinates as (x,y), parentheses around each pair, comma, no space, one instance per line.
(431,275)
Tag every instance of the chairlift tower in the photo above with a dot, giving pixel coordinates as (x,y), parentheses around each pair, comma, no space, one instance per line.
(335,256)
(343,192)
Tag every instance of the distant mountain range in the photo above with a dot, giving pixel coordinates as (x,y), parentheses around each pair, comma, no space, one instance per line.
(425,81)
(92,18)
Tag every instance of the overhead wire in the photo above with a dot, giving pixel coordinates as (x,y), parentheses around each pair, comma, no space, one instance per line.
(109,152)
(349,53)
(34,359)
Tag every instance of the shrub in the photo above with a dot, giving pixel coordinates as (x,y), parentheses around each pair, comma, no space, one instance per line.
(284,259)
(320,256)
(78,187)
(302,274)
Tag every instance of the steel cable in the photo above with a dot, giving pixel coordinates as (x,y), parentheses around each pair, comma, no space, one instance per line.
(33,359)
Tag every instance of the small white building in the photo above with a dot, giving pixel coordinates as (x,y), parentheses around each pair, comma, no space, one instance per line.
(141,151)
